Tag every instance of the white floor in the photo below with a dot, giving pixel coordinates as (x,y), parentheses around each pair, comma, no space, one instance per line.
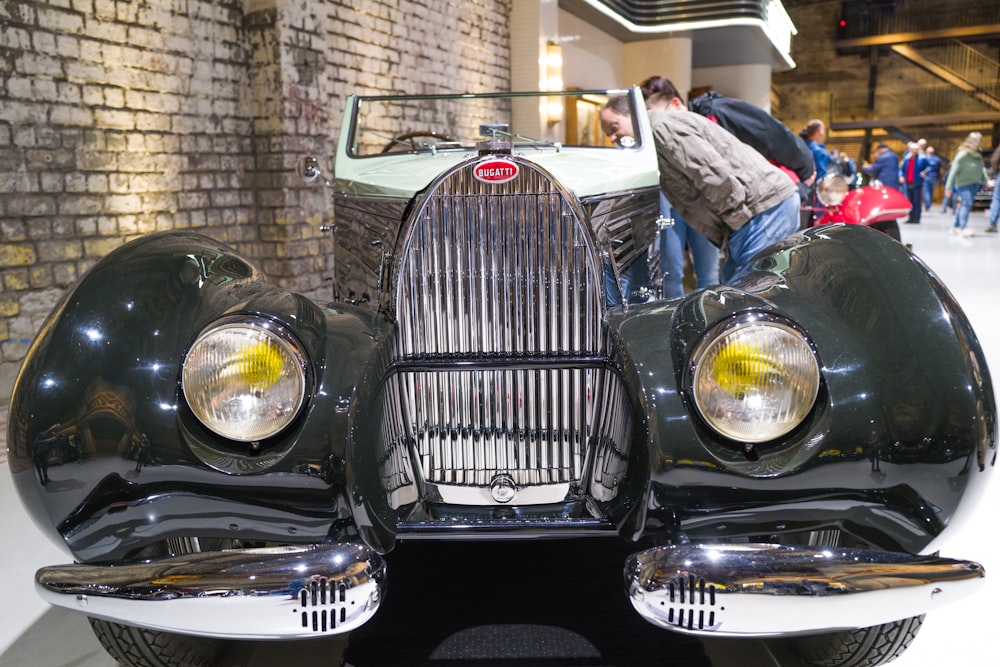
(33,634)
(963,634)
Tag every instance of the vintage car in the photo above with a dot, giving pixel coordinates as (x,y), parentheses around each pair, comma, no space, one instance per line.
(983,197)
(227,460)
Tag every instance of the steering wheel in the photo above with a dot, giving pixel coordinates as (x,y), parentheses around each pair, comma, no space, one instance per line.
(408,140)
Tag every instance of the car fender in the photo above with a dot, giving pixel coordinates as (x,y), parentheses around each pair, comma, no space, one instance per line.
(915,423)
(131,318)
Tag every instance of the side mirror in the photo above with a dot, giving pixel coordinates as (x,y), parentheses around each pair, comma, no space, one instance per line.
(308,168)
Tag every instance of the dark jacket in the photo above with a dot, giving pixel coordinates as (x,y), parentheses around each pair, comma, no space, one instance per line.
(759,129)
(885,169)
(933,171)
(919,161)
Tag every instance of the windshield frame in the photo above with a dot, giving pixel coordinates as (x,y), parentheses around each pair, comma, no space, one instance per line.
(552,134)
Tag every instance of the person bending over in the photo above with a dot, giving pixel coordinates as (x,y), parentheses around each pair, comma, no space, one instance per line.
(676,239)
(722,187)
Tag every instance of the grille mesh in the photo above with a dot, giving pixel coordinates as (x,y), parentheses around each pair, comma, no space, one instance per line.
(472,425)
(501,347)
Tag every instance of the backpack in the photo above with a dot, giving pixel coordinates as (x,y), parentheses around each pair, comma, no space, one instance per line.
(758,129)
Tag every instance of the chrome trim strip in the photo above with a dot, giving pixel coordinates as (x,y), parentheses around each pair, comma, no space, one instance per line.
(540,494)
(504,363)
(281,593)
(508,529)
(771,590)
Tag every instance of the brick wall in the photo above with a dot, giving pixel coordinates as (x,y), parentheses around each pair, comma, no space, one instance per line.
(120,118)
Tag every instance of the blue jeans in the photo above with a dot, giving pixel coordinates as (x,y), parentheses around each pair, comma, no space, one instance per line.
(634,279)
(965,195)
(759,232)
(673,241)
(994,212)
(914,193)
(929,182)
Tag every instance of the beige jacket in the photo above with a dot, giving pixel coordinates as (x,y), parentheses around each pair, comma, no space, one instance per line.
(714,180)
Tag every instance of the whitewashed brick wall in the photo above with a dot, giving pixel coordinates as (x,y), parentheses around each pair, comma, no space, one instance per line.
(122,118)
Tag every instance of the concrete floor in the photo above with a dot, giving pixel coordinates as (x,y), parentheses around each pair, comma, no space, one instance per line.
(31,633)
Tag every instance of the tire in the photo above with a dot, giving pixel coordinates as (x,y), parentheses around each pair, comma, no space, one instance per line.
(864,647)
(889,228)
(137,647)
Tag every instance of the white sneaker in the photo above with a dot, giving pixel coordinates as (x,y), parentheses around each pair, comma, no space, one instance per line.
(967,232)
(956,231)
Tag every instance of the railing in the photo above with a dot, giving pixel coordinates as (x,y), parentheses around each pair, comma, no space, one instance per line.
(886,17)
(909,101)
(969,63)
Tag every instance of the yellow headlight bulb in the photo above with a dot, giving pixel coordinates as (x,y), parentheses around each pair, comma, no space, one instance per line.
(258,365)
(740,368)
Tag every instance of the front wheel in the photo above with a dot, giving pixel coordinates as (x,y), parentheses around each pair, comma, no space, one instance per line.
(888,227)
(138,647)
(863,647)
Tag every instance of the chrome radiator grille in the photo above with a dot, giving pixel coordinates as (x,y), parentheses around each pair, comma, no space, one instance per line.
(501,358)
(498,269)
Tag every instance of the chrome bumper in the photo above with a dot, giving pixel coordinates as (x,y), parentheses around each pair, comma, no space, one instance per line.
(770,590)
(283,593)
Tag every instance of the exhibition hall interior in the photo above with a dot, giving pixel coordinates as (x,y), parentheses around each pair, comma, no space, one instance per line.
(499,333)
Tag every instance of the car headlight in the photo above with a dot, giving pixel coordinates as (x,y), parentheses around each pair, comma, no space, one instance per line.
(832,189)
(754,379)
(245,379)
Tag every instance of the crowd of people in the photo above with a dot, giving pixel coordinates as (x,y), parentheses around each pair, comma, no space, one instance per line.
(920,169)
(733,179)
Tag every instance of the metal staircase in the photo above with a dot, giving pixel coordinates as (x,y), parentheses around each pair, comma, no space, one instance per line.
(960,65)
(953,42)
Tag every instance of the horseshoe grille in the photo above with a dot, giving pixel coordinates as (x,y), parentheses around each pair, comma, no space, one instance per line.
(501,353)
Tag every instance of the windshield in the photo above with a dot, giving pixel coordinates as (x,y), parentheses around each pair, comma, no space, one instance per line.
(546,121)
